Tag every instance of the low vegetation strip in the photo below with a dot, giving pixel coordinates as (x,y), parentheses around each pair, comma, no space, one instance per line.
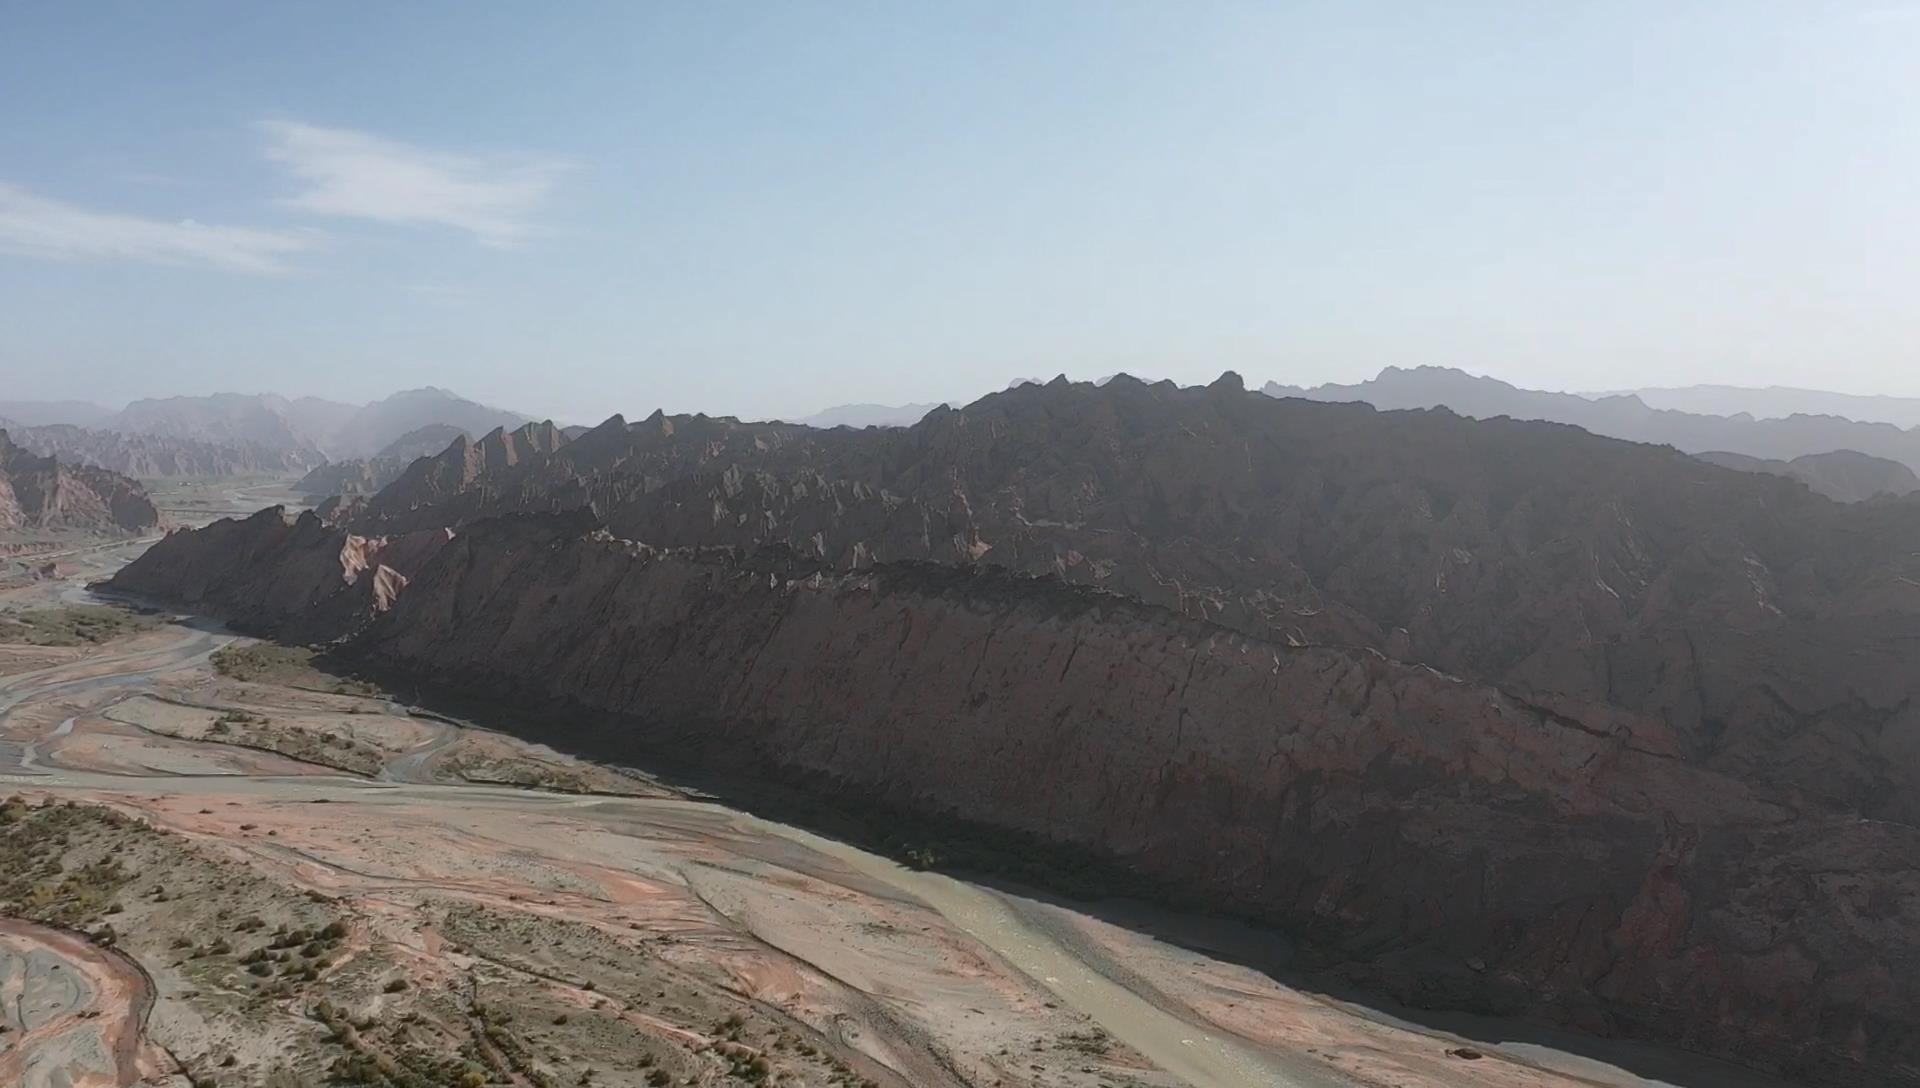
(76,625)
(291,666)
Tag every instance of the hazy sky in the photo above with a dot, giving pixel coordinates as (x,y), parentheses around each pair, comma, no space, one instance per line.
(766,209)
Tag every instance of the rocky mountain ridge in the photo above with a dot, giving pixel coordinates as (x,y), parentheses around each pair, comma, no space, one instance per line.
(1584,573)
(1500,714)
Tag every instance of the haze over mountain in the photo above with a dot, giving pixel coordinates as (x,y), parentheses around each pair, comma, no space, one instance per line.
(254,434)
(365,475)
(868,415)
(1777,402)
(1843,475)
(371,428)
(1620,416)
(42,413)
(328,427)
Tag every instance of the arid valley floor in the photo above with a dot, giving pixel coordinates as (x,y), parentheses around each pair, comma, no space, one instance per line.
(222,866)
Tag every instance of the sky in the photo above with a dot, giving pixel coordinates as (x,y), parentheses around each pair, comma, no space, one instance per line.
(766,209)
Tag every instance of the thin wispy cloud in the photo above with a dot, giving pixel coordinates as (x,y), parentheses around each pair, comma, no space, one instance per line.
(358,175)
(39,226)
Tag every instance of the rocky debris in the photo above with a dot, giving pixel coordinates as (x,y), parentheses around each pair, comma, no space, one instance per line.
(39,493)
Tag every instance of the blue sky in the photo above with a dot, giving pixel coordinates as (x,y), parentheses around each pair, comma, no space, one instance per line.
(765,209)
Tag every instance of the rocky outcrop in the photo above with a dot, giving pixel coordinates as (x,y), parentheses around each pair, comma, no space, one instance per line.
(1843,475)
(42,493)
(291,576)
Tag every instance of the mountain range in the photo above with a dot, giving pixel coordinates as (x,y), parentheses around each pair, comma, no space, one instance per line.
(1621,416)
(1775,402)
(229,434)
(1844,475)
(1495,714)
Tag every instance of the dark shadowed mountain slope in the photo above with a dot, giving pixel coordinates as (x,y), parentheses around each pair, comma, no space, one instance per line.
(1622,416)
(1435,838)
(1584,571)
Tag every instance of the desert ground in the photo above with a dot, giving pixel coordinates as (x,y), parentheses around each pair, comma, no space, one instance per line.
(220,865)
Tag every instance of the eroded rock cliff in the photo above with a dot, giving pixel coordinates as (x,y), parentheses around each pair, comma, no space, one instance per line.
(42,493)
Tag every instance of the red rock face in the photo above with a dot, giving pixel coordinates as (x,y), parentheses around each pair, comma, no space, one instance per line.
(42,493)
(1499,715)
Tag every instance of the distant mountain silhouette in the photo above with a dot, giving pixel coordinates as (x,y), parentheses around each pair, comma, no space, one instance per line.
(377,425)
(1777,402)
(1845,475)
(226,418)
(1620,416)
(46,413)
(311,427)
